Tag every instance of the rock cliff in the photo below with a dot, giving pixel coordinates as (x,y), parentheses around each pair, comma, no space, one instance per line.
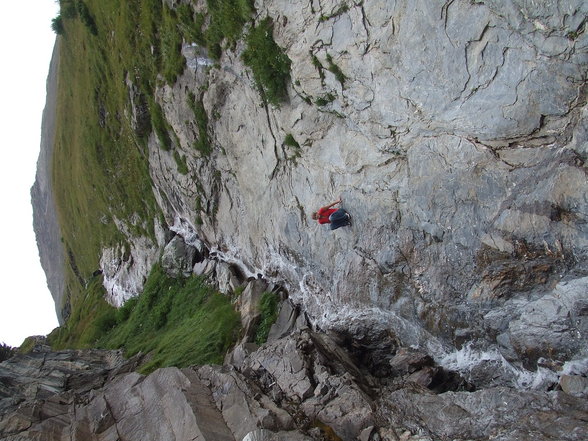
(455,134)
(455,306)
(303,387)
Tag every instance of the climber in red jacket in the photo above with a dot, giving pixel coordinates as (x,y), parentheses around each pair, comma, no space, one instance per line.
(335,217)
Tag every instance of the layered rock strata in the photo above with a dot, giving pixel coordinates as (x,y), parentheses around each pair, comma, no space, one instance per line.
(302,387)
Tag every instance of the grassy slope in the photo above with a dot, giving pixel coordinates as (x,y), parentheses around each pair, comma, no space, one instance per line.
(100,171)
(178,321)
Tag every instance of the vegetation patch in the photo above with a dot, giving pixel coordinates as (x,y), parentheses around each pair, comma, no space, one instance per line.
(335,70)
(343,8)
(6,352)
(324,100)
(202,144)
(227,18)
(100,161)
(160,125)
(269,64)
(86,17)
(181,162)
(290,141)
(91,318)
(179,322)
(172,60)
(57,25)
(319,67)
(268,306)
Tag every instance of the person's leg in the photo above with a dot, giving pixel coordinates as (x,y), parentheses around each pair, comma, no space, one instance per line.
(339,219)
(338,215)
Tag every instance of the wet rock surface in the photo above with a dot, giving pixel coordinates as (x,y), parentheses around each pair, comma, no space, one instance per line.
(302,387)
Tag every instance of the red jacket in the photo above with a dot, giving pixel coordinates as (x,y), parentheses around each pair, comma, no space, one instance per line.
(324,214)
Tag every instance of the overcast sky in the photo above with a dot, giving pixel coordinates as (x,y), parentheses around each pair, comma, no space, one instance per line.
(26,39)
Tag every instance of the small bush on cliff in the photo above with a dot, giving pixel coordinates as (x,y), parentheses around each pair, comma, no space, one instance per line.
(269,64)
(202,144)
(172,60)
(227,18)
(6,352)
(57,25)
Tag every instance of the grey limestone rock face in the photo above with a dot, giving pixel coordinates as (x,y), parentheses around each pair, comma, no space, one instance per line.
(178,257)
(456,140)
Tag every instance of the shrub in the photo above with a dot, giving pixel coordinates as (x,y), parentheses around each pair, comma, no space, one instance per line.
(160,125)
(87,17)
(290,141)
(335,70)
(190,24)
(181,163)
(324,100)
(269,64)
(57,25)
(6,351)
(172,60)
(227,18)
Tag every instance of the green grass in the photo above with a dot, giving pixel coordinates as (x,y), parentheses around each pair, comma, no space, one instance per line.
(335,70)
(100,170)
(268,306)
(324,100)
(227,18)
(319,67)
(91,318)
(269,64)
(202,144)
(340,10)
(181,163)
(179,322)
(100,167)
(290,141)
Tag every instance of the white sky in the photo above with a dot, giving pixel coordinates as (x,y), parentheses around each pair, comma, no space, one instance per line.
(26,44)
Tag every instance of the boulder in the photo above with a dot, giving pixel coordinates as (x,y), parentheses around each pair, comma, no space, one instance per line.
(289,319)
(205,268)
(248,306)
(178,257)
(407,361)
(228,277)
(575,385)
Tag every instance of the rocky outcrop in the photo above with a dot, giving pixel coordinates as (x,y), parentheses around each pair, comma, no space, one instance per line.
(45,222)
(303,387)
(454,307)
(455,138)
